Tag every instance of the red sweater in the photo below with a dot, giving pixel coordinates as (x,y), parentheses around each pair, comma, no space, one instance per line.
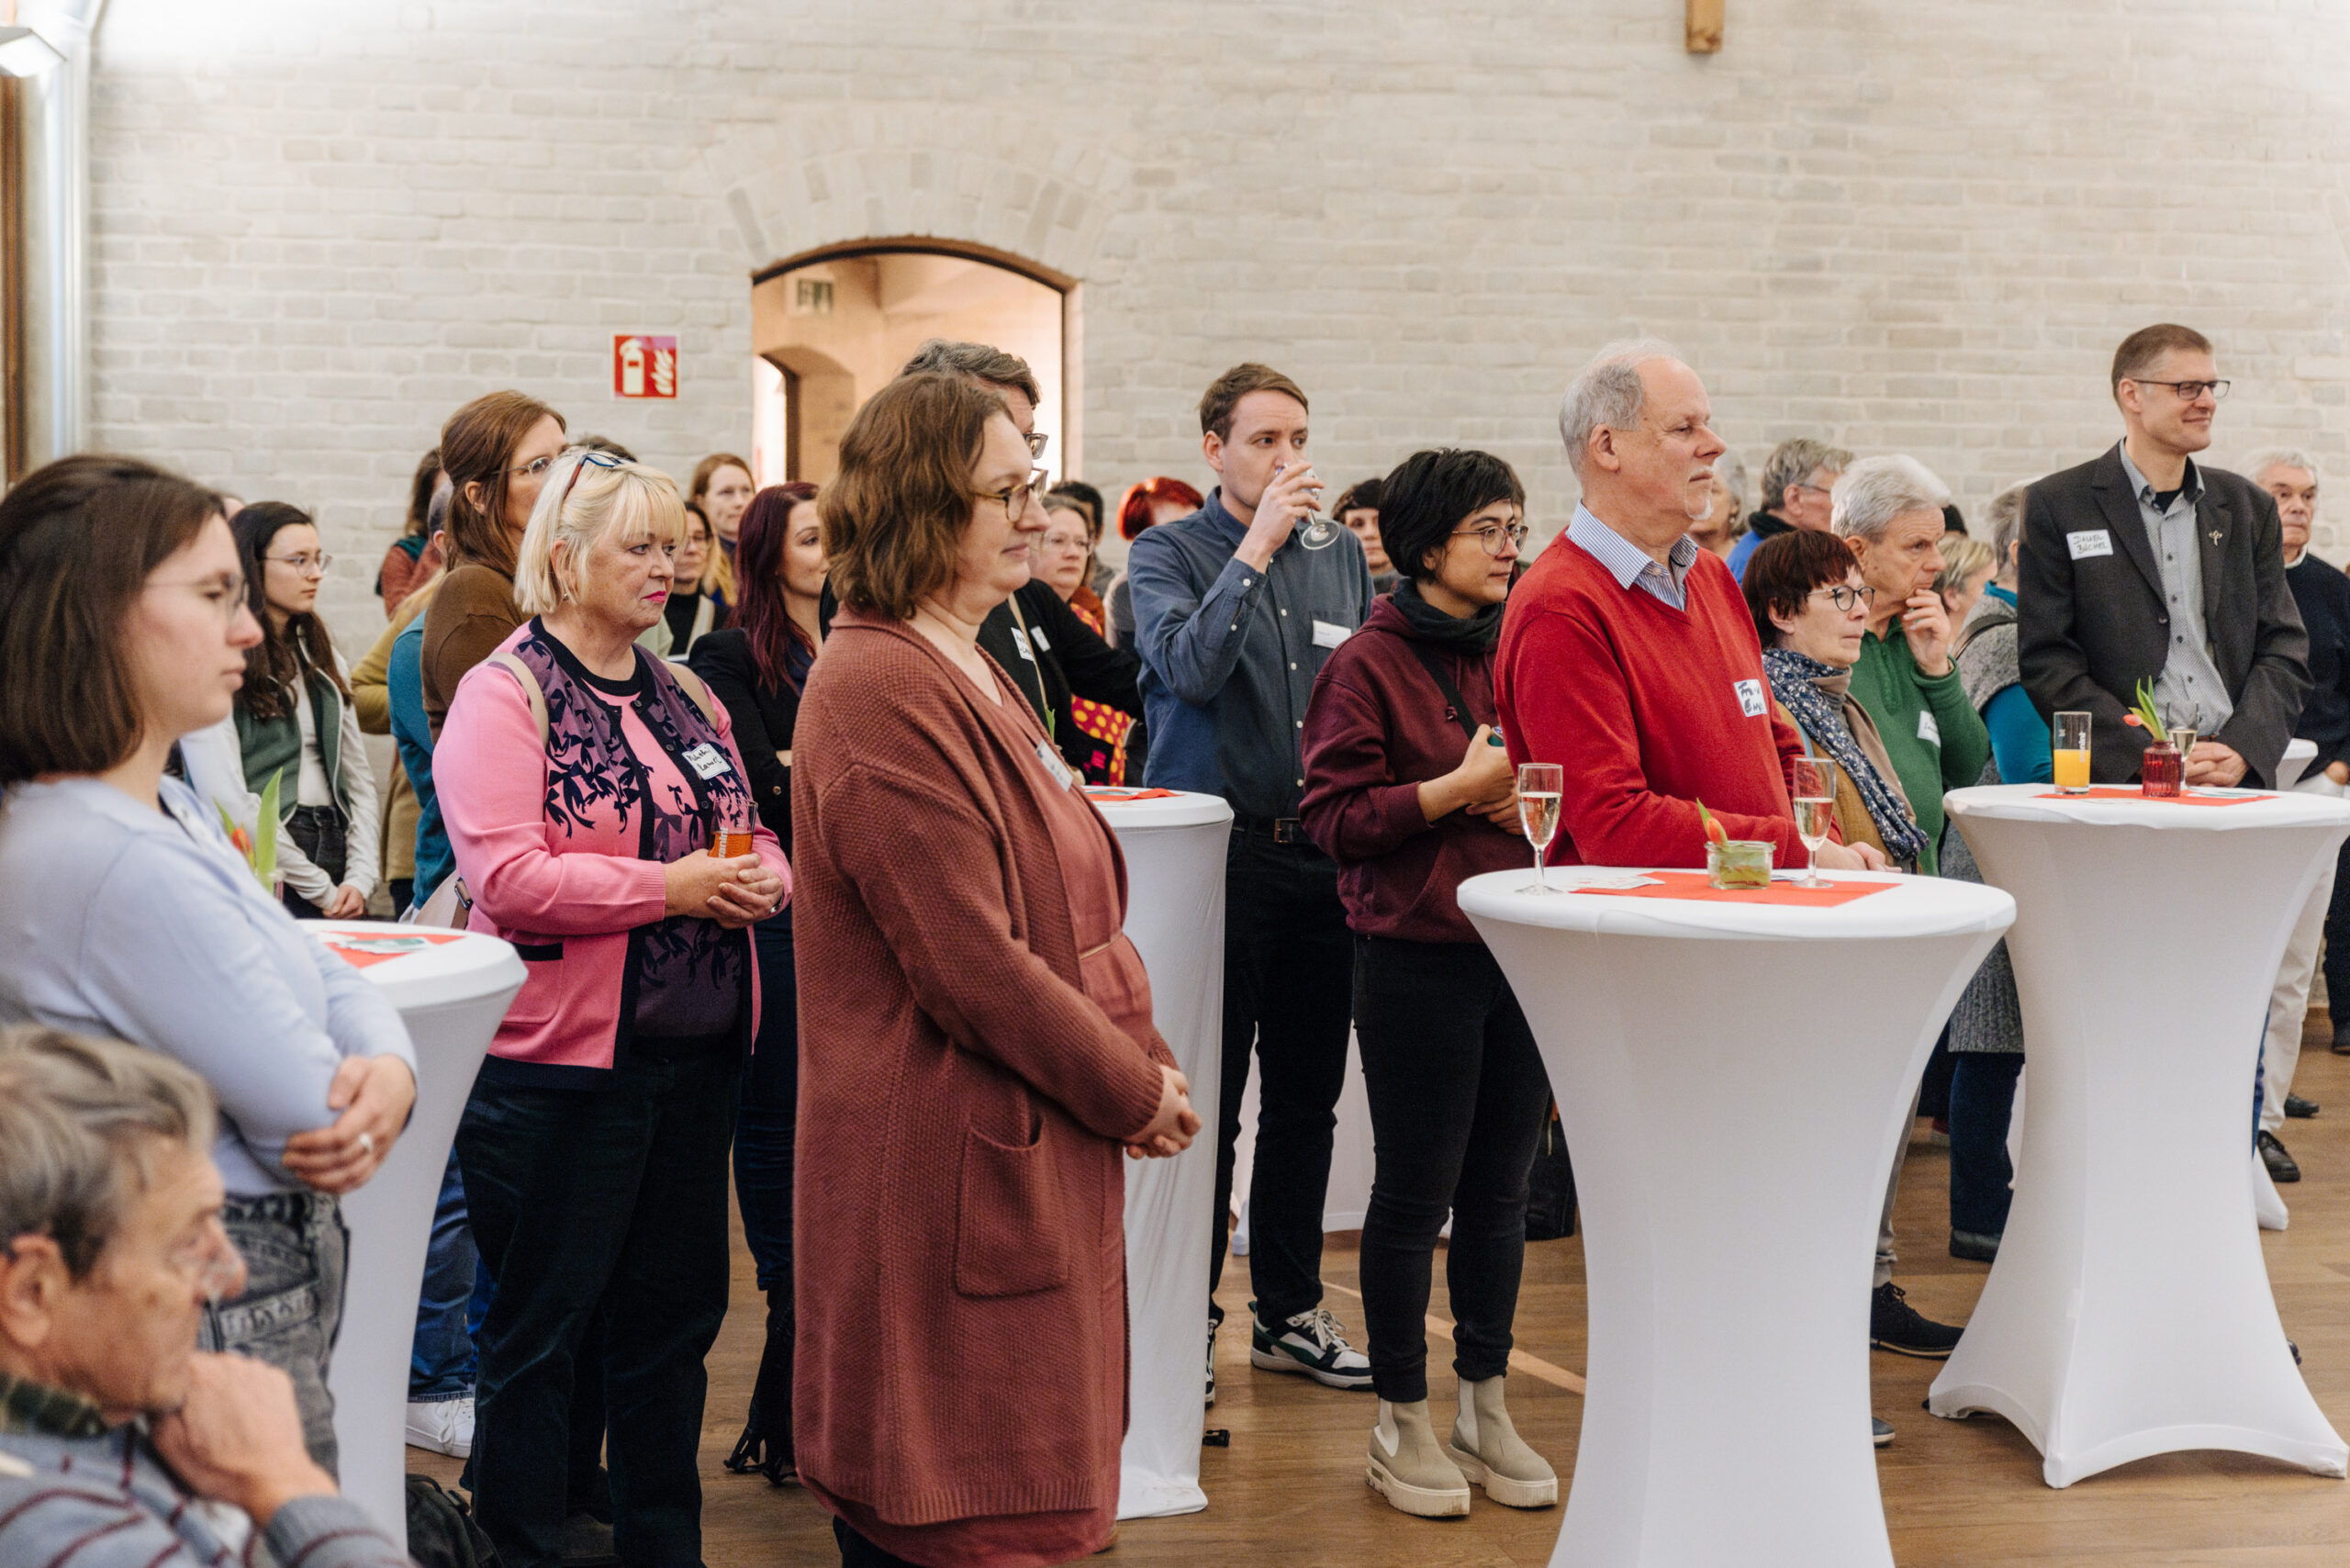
(1649,709)
(1376,729)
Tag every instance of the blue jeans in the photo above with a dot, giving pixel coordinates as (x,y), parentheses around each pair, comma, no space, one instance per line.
(766,1126)
(1982,1099)
(440,1362)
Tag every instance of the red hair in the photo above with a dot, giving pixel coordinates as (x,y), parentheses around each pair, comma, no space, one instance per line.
(759,608)
(1135,511)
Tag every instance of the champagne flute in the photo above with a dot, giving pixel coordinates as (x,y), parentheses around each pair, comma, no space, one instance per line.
(1313,531)
(1539,785)
(1815,802)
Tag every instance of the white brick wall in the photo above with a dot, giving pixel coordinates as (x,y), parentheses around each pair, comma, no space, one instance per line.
(321,225)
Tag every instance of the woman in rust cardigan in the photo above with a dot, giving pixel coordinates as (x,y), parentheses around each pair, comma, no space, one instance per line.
(976,1044)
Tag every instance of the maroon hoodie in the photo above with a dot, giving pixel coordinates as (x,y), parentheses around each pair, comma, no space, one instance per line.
(1377,728)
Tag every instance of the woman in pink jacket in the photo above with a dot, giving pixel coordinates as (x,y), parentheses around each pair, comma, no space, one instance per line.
(582,780)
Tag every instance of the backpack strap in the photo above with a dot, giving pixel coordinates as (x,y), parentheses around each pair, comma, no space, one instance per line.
(532,691)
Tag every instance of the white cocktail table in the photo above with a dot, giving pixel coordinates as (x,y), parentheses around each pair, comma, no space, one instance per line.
(2129,1312)
(1727,1419)
(1174,851)
(451,987)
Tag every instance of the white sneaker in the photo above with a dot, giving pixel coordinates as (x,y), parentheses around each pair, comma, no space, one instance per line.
(1310,1343)
(442,1426)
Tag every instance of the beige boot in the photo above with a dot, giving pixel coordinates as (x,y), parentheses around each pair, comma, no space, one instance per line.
(1409,1468)
(1489,1452)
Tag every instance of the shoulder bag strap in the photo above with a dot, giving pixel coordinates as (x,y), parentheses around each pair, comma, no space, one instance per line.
(1455,708)
(532,691)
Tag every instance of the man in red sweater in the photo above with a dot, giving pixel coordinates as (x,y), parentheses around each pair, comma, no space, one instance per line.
(1627,653)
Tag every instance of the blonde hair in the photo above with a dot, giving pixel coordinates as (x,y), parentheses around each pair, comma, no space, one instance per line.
(582,503)
(1963,556)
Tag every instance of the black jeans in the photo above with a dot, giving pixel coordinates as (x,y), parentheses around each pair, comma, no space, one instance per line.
(1982,1099)
(603,1207)
(1458,1098)
(1288,992)
(321,834)
(766,1127)
(2337,938)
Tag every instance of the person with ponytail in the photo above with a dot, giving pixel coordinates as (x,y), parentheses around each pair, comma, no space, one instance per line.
(497,450)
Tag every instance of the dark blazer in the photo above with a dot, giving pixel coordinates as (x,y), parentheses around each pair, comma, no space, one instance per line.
(764,719)
(1071,659)
(2091,630)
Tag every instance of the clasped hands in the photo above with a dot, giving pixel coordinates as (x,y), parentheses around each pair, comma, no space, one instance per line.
(737,891)
(1176,1125)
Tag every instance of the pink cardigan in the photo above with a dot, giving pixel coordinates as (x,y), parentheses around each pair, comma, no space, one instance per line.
(568,902)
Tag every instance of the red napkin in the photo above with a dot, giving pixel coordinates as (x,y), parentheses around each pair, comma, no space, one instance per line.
(1692,885)
(2124,792)
(361,952)
(1119,794)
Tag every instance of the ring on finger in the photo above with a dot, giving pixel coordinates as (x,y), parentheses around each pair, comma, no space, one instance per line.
(367,1143)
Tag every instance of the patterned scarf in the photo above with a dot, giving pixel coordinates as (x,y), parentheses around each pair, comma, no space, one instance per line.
(1797,681)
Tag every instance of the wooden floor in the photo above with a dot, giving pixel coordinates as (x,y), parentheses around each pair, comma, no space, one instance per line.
(1288,1491)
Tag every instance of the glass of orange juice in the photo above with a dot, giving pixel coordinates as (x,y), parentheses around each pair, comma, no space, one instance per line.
(2072,749)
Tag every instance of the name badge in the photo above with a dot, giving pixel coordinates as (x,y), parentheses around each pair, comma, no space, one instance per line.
(1326,635)
(707,761)
(1060,770)
(1037,634)
(1020,641)
(1927,730)
(2092,542)
(1750,698)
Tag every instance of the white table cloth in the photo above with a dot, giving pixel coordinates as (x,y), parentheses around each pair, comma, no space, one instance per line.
(2129,1312)
(450,989)
(1727,1419)
(1174,851)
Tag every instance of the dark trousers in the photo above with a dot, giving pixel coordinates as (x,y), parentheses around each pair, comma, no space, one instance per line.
(2337,939)
(1982,1099)
(1288,992)
(321,834)
(766,1127)
(1458,1099)
(603,1208)
(858,1552)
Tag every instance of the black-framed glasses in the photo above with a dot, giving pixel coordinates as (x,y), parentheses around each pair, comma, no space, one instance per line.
(2191,391)
(1016,499)
(306,563)
(1843,596)
(1491,535)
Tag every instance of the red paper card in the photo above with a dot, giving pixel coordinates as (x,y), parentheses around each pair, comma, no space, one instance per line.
(361,952)
(1692,885)
(1119,794)
(2123,792)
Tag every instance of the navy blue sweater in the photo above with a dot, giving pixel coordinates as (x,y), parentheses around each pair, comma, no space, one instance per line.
(2323,594)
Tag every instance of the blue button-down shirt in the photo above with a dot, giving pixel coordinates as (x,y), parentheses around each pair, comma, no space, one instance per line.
(1229,653)
(2189,690)
(1632,566)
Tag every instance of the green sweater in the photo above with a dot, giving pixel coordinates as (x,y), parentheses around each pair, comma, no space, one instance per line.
(1933,733)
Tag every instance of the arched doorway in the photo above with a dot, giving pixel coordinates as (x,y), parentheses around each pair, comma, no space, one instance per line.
(830,327)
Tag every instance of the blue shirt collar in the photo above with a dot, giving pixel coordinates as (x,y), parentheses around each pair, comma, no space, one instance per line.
(1627,561)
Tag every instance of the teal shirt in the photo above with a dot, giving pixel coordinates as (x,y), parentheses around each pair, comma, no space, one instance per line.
(1936,739)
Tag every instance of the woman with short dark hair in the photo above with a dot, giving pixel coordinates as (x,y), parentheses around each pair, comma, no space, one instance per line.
(123,626)
(1811,610)
(1409,790)
(976,1039)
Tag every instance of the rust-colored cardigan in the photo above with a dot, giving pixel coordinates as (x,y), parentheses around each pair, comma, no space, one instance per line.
(962,1108)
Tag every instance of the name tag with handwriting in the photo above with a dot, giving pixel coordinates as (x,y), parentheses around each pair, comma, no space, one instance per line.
(2089,542)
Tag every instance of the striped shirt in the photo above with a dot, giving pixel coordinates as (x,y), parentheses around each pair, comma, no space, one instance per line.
(1632,566)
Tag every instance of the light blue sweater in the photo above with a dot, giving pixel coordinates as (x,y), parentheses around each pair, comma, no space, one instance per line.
(146,925)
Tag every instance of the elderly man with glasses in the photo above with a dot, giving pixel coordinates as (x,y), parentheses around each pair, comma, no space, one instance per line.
(121,1445)
(1797,479)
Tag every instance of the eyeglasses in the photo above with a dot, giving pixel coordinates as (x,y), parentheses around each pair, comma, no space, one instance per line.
(591,458)
(536,467)
(1491,536)
(2189,391)
(304,564)
(1817,490)
(1016,499)
(1844,597)
(210,1261)
(225,593)
(1038,441)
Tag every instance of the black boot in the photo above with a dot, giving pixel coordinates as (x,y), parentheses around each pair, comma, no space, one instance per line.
(765,1443)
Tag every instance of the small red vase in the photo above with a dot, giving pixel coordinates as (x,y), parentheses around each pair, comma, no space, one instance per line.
(2163,771)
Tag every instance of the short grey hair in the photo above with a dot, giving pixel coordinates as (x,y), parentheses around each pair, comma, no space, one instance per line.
(1609,392)
(1730,469)
(1876,490)
(2260,463)
(1794,462)
(78,1119)
(2005,516)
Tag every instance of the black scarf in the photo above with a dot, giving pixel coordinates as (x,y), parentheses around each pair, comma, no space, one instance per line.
(1476,633)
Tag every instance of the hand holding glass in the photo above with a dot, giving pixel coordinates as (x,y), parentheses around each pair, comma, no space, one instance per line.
(1815,801)
(1539,786)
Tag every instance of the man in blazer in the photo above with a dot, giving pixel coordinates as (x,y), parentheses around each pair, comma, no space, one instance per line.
(2142,566)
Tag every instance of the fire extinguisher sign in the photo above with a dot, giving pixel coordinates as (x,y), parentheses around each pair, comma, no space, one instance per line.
(644,366)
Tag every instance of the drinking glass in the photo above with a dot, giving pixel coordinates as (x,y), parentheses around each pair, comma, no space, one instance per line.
(1539,785)
(2071,753)
(1815,801)
(730,834)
